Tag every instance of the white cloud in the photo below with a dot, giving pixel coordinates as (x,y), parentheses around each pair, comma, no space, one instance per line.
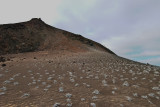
(146,54)
(136,45)
(154,61)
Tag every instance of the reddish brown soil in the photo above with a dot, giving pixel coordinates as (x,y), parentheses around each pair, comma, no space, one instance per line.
(34,79)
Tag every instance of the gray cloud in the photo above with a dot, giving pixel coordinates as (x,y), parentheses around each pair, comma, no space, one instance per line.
(129,28)
(23,10)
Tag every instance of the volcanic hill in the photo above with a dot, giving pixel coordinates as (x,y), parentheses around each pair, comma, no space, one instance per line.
(43,66)
(35,35)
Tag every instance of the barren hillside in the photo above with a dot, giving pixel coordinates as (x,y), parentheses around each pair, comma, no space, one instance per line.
(35,35)
(42,66)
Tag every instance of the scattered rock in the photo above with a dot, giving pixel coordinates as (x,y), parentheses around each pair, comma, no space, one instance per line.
(56,105)
(93,104)
(61,89)
(2,93)
(2,59)
(156,88)
(95,92)
(128,98)
(126,84)
(3,65)
(82,99)
(69,105)
(68,95)
(25,95)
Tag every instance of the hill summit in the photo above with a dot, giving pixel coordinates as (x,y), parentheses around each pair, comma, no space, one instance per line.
(36,35)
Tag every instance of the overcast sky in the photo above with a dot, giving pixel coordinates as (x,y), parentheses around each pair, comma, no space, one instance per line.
(130,28)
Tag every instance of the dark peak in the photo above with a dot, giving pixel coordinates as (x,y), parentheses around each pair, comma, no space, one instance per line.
(36,20)
(35,35)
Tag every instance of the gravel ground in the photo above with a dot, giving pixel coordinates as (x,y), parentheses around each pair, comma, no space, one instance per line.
(86,79)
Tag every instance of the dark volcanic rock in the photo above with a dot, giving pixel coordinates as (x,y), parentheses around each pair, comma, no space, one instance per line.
(3,65)
(35,35)
(2,59)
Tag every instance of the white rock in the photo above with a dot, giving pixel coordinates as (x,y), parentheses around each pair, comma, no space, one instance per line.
(2,93)
(96,77)
(82,99)
(56,105)
(11,79)
(145,71)
(29,83)
(6,82)
(158,92)
(15,83)
(45,89)
(72,80)
(135,86)
(29,71)
(69,105)
(49,78)
(55,81)
(61,89)
(113,92)
(94,97)
(87,85)
(43,83)
(81,77)
(68,100)
(155,88)
(130,71)
(68,95)
(135,94)
(144,96)
(25,95)
(128,98)
(104,82)
(48,86)
(126,84)
(151,94)
(105,76)
(114,81)
(95,92)
(93,104)
(115,88)
(157,97)
(3,88)
(76,85)
(70,73)
(121,105)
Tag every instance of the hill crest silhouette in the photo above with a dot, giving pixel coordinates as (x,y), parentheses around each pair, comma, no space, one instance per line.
(36,35)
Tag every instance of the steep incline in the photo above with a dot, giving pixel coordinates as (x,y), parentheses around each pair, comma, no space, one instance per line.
(35,35)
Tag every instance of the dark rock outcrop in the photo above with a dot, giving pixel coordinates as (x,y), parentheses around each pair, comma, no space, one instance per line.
(35,35)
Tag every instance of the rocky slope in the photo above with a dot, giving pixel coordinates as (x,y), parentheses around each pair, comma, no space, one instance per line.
(35,35)
(56,68)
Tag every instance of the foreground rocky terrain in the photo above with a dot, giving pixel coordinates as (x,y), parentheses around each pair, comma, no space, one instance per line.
(79,80)
(65,76)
